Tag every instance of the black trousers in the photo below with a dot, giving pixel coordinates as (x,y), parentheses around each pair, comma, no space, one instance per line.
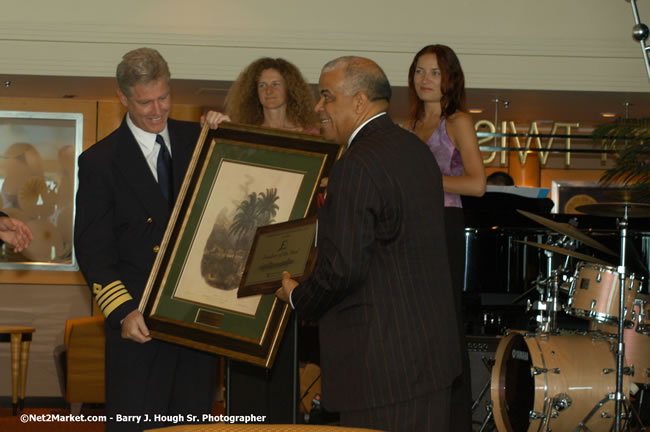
(156,384)
(431,412)
(266,392)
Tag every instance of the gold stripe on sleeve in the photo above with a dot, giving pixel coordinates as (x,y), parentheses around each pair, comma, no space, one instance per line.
(115,303)
(107,291)
(111,297)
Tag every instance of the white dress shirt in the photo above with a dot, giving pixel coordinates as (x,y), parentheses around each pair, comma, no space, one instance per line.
(147,142)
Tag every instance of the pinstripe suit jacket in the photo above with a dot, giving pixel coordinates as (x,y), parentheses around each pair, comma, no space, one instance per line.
(121,215)
(381,288)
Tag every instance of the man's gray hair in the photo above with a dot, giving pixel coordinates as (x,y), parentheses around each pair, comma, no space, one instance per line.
(141,66)
(361,75)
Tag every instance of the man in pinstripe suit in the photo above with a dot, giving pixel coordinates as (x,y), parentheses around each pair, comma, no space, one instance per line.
(381,289)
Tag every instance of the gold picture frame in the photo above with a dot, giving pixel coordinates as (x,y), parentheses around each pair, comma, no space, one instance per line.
(240,177)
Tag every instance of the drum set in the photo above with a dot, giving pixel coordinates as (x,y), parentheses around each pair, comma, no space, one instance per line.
(554,379)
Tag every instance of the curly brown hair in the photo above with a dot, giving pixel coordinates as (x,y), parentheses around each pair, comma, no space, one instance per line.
(242,102)
(452,85)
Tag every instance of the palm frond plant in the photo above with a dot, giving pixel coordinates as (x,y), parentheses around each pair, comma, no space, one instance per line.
(631,140)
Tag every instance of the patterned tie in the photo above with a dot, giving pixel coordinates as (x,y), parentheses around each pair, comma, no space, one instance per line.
(164,169)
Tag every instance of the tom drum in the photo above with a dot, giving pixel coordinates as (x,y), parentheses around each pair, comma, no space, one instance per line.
(594,293)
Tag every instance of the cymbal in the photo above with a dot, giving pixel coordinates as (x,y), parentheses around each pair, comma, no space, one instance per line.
(617,209)
(567,252)
(569,230)
(626,195)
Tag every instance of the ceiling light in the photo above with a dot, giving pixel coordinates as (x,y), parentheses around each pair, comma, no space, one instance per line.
(608,114)
(475,110)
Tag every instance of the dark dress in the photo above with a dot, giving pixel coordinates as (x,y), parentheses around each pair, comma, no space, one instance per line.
(451,164)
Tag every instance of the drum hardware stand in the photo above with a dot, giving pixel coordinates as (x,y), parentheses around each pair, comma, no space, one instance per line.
(557,404)
(488,363)
(620,349)
(548,305)
(636,412)
(633,411)
(582,426)
(553,287)
(487,419)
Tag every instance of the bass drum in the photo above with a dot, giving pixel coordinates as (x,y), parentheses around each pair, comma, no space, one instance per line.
(544,382)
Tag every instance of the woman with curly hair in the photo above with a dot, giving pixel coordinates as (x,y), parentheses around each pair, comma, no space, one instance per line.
(437,101)
(272,93)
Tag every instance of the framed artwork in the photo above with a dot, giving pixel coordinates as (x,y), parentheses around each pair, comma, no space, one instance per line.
(38,183)
(240,177)
(285,246)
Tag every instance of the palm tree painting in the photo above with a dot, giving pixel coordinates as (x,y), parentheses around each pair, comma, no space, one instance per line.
(242,197)
(268,206)
(246,218)
(225,252)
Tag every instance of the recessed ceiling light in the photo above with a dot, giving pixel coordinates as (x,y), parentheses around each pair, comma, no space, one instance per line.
(608,114)
(475,110)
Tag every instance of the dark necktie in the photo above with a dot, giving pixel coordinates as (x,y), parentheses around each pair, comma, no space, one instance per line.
(164,169)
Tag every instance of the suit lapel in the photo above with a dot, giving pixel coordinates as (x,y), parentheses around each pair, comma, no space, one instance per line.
(131,163)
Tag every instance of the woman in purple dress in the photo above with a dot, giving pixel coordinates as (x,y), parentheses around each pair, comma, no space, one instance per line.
(438,117)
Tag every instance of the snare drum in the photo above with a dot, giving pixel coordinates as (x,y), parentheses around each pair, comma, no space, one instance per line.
(594,293)
(544,382)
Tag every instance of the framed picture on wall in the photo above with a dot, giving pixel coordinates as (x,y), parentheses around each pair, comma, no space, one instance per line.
(38,182)
(240,177)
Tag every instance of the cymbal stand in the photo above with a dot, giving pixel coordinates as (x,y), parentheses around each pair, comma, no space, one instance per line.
(620,349)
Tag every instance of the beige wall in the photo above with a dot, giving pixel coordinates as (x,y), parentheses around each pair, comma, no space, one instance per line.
(508,44)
